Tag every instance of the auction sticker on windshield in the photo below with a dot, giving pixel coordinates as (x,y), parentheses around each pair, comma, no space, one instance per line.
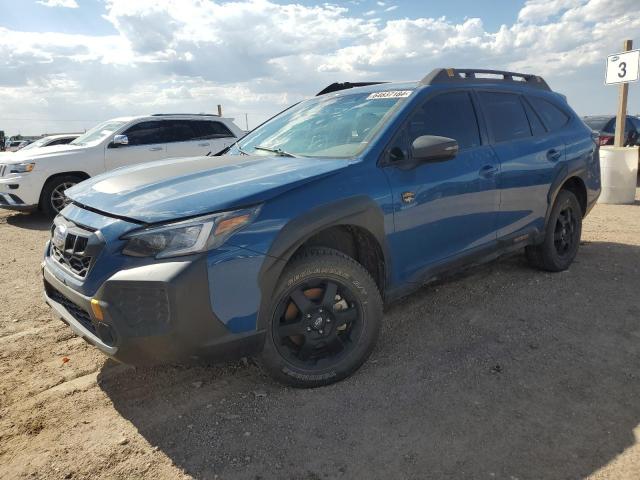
(390,94)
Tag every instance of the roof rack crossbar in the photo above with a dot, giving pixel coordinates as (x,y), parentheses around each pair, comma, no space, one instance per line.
(337,86)
(456,75)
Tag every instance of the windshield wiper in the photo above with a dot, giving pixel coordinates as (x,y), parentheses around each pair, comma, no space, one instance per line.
(277,151)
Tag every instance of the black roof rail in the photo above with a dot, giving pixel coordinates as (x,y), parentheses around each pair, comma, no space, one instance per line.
(337,86)
(184,114)
(457,75)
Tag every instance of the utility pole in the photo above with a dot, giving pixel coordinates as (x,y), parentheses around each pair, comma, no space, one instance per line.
(219,110)
(623,94)
(246,122)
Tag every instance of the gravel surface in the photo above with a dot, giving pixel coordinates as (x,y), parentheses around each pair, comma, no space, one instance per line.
(501,372)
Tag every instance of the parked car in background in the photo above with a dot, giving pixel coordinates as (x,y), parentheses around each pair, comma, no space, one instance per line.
(38,178)
(16,145)
(605,125)
(288,246)
(51,140)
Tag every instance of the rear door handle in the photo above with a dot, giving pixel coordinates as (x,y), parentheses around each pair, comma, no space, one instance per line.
(554,155)
(488,171)
(203,144)
(155,149)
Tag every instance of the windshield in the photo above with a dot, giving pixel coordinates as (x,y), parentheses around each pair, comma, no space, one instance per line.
(337,126)
(36,144)
(98,133)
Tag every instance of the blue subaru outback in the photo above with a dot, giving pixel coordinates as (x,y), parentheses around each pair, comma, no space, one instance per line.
(288,245)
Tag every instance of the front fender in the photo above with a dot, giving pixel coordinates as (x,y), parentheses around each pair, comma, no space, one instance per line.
(360,211)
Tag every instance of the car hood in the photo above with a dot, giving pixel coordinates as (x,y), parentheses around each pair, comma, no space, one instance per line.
(182,187)
(41,152)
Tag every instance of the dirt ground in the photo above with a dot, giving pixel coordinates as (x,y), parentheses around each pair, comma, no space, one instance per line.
(503,372)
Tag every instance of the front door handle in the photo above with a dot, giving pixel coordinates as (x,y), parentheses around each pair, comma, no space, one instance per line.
(554,155)
(488,171)
(155,149)
(203,144)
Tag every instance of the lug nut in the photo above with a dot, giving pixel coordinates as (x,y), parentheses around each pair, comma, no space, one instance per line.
(308,329)
(328,320)
(321,332)
(320,310)
(308,315)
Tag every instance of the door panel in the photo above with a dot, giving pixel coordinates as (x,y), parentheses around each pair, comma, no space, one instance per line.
(529,158)
(442,209)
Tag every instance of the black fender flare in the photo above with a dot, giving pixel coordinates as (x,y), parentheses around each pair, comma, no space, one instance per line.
(564,174)
(360,211)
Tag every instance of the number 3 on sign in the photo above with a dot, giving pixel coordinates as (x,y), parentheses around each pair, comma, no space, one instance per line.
(623,67)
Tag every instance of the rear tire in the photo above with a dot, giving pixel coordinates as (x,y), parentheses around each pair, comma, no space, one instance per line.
(562,236)
(324,319)
(52,198)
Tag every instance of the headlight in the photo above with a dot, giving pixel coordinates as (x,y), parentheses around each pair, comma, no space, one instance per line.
(189,236)
(22,167)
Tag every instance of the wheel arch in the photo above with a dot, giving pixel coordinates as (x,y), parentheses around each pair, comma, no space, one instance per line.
(570,180)
(77,173)
(354,226)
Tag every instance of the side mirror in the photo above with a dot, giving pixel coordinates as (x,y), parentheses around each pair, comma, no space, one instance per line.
(430,148)
(119,140)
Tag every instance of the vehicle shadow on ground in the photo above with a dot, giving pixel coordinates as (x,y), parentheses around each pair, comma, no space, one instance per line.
(503,372)
(30,221)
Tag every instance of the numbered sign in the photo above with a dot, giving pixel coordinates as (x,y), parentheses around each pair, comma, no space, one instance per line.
(623,67)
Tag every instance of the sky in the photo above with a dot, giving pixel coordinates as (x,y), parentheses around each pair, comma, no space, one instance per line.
(66,65)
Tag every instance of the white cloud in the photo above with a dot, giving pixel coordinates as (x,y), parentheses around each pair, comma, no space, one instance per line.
(59,3)
(258,56)
(391,8)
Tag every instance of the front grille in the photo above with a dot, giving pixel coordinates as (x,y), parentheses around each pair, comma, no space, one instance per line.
(73,256)
(79,313)
(75,249)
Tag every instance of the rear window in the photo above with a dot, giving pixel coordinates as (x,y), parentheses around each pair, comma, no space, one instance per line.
(552,116)
(505,115)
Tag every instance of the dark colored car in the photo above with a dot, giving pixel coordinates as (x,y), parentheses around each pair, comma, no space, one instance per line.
(288,246)
(605,125)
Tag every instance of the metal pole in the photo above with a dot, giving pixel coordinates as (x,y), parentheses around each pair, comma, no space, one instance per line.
(623,94)
(219,110)
(246,122)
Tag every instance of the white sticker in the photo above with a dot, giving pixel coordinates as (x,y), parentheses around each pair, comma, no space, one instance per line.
(390,94)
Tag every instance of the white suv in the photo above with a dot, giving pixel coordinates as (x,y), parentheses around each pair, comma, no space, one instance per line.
(38,178)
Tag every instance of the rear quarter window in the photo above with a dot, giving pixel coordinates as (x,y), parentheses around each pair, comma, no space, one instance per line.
(206,129)
(553,117)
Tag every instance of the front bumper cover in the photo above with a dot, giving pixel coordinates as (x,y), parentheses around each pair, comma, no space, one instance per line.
(153,314)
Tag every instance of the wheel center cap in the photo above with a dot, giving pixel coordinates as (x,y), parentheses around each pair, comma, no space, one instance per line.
(318,323)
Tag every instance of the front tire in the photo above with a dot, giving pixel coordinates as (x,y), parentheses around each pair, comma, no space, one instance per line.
(52,198)
(562,236)
(324,319)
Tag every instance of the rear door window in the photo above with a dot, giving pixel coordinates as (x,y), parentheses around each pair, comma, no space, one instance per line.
(552,116)
(537,128)
(505,115)
(448,115)
(178,131)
